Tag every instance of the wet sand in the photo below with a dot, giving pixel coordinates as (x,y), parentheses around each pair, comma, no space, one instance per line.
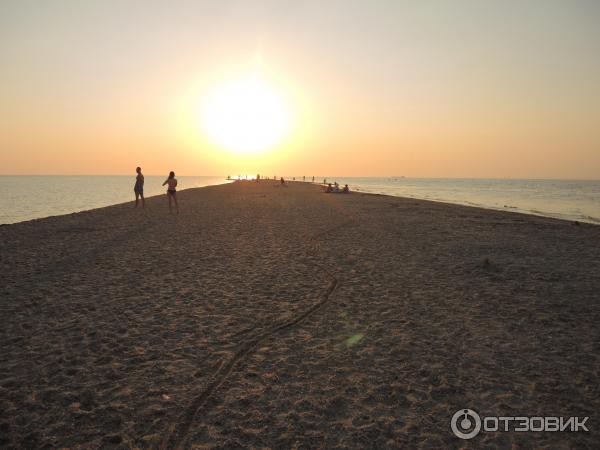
(282,317)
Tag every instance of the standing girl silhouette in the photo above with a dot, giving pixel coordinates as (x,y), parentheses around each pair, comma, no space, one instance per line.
(171,191)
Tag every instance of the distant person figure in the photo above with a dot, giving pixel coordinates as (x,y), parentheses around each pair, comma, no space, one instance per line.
(329,188)
(324,180)
(258,178)
(303,177)
(346,189)
(313,179)
(336,187)
(282,181)
(171,183)
(138,189)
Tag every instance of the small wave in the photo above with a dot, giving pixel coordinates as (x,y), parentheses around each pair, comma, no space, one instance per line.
(557,215)
(544,213)
(591,219)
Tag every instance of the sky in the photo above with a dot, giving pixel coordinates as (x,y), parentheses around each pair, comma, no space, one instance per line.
(454,88)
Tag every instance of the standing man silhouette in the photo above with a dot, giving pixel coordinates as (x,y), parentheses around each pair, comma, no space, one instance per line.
(138,189)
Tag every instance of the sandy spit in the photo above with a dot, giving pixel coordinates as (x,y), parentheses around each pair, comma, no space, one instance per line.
(283,317)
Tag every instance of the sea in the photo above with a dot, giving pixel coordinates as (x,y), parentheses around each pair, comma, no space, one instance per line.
(26,197)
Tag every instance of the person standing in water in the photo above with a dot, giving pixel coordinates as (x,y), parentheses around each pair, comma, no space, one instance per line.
(138,189)
(171,183)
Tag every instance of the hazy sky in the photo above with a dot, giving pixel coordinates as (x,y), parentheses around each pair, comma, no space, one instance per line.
(423,88)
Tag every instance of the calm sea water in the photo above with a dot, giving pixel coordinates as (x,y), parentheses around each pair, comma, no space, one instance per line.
(562,199)
(31,197)
(27,197)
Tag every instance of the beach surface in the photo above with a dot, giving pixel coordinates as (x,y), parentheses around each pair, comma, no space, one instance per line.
(265,316)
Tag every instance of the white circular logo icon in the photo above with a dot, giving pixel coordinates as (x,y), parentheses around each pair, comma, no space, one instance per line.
(465,424)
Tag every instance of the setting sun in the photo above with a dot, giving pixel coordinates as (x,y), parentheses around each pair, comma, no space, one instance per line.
(262,223)
(245,116)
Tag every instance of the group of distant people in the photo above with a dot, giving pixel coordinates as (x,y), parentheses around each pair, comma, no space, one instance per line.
(281,180)
(330,188)
(335,188)
(171,183)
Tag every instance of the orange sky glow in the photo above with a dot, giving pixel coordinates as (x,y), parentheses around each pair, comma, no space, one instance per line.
(389,88)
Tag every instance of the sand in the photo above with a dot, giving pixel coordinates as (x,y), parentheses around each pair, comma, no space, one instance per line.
(283,317)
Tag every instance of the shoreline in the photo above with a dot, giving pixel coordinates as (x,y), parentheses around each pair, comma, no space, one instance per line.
(512,210)
(129,200)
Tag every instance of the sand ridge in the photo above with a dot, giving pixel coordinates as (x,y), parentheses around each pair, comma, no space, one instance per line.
(136,329)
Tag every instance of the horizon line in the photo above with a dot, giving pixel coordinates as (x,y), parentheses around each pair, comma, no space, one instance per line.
(307,176)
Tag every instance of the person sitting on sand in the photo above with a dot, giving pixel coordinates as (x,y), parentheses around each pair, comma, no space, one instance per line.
(171,191)
(346,189)
(336,187)
(328,189)
(138,189)
(282,181)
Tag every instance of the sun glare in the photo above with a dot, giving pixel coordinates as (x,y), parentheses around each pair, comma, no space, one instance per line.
(246,116)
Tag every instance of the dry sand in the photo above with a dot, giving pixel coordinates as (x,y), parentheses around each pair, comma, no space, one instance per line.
(282,317)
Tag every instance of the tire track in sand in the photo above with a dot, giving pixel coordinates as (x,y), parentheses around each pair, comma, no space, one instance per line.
(177,433)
